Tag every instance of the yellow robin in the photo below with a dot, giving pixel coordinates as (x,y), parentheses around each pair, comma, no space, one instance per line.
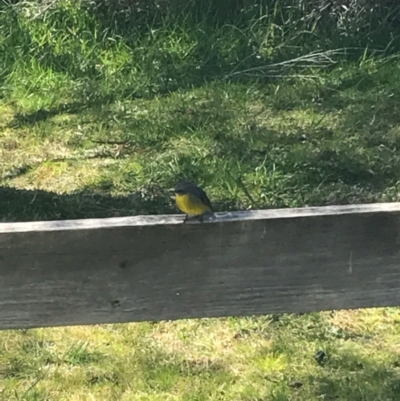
(192,200)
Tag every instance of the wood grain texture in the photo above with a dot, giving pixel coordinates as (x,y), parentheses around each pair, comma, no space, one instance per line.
(243,263)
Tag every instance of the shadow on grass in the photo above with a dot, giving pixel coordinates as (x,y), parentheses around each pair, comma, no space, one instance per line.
(230,140)
(347,375)
(350,376)
(340,363)
(162,371)
(26,119)
(29,205)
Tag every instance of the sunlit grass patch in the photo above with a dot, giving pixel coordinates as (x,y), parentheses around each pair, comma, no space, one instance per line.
(249,358)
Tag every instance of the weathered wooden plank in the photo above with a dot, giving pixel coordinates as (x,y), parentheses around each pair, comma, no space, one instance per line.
(243,263)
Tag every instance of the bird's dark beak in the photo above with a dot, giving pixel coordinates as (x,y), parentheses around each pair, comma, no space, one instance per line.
(171,191)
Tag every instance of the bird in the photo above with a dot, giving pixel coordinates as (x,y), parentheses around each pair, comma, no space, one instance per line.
(192,200)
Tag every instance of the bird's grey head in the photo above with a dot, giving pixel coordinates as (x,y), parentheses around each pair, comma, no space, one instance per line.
(182,187)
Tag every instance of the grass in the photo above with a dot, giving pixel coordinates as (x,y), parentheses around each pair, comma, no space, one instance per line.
(330,140)
(269,357)
(100,121)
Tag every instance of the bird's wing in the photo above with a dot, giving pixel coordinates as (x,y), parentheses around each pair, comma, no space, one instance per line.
(204,199)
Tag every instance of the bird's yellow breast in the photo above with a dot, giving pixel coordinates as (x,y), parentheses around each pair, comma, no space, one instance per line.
(191,205)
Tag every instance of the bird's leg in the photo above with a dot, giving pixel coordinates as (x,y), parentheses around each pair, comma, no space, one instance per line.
(186,218)
(201,218)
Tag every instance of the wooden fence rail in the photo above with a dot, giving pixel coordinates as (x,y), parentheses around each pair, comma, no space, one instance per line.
(243,263)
